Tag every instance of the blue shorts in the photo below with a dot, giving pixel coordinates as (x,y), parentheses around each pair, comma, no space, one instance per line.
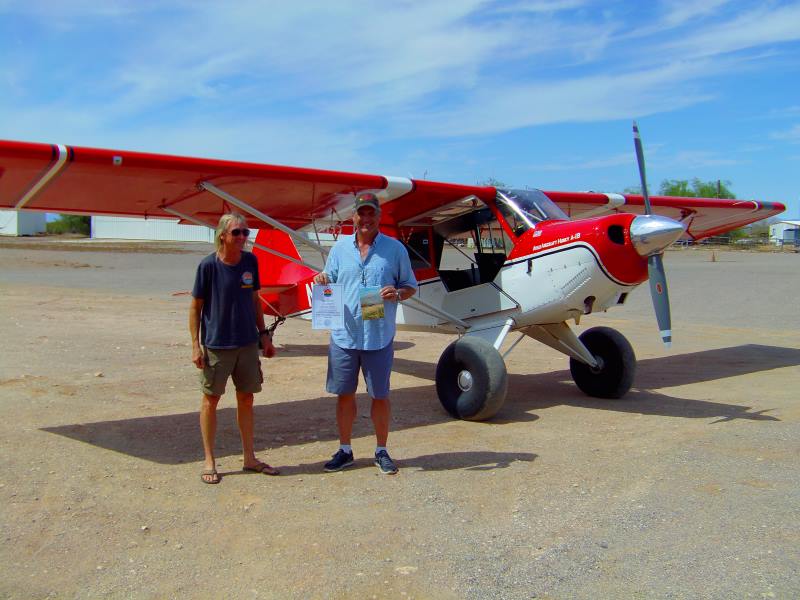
(344,365)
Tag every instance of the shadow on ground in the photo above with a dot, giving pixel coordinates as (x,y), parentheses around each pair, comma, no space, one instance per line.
(172,439)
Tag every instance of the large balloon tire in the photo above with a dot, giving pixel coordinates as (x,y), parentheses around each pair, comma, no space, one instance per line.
(487,377)
(618,364)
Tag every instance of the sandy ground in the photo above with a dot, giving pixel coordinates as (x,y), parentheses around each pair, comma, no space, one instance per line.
(687,488)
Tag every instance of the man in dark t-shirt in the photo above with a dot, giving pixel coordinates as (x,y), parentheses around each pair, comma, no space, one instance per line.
(226,322)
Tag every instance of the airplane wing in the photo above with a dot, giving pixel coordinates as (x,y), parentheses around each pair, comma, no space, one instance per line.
(71,179)
(703,217)
(76,180)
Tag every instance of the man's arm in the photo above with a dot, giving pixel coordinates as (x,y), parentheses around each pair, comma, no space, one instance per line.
(406,283)
(268,349)
(195,310)
(330,270)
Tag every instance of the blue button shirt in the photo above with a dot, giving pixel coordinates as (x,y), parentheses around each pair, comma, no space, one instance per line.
(387,263)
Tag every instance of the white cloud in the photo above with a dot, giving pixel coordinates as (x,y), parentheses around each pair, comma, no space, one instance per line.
(679,12)
(322,83)
(697,159)
(792,134)
(538,6)
(591,98)
(617,160)
(761,26)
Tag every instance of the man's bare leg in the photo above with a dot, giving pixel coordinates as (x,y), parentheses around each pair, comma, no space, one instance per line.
(244,417)
(345,415)
(208,430)
(381,414)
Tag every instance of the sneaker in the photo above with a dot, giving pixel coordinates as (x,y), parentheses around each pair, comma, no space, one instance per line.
(384,462)
(339,461)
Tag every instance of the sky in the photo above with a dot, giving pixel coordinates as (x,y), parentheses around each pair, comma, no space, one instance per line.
(531,93)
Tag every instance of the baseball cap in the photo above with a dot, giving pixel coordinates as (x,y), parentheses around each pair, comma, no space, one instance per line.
(367,199)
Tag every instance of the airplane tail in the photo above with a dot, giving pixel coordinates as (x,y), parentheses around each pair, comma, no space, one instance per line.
(285,285)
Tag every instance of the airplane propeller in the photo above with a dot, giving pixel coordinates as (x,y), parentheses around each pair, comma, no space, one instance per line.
(650,235)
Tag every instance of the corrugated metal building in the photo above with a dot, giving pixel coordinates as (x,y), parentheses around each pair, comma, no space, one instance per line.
(135,228)
(168,230)
(784,232)
(22,222)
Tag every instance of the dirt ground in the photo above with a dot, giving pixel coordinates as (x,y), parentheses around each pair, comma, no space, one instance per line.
(687,488)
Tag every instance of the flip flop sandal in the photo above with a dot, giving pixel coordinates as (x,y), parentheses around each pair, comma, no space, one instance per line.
(206,473)
(262,467)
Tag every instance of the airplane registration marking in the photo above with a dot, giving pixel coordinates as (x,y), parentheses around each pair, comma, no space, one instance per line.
(557,242)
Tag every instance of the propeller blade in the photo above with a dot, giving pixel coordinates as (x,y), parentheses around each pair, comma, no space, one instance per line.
(655,263)
(658,291)
(637,142)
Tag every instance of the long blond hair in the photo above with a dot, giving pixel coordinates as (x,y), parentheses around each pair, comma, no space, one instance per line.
(223,225)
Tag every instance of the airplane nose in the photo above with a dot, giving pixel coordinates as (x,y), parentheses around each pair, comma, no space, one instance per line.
(650,234)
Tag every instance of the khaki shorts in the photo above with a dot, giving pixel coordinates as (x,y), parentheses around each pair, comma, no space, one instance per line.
(242,364)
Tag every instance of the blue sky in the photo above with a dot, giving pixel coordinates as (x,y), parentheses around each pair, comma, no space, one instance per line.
(534,93)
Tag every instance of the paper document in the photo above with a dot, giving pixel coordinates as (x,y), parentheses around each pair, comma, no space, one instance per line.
(371,303)
(327,306)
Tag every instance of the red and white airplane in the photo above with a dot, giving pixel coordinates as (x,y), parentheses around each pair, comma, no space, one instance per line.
(489,261)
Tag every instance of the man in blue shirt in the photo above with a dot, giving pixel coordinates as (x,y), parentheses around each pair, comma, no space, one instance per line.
(376,274)
(227,311)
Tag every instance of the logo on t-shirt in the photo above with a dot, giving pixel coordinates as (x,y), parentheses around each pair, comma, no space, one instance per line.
(247,279)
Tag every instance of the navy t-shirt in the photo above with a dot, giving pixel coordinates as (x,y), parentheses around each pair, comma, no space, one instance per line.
(228,319)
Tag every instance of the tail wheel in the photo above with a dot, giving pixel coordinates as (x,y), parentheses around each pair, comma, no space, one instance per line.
(471,379)
(614,375)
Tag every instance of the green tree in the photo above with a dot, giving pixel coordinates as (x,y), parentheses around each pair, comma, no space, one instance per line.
(702,189)
(70,224)
(696,189)
(491,181)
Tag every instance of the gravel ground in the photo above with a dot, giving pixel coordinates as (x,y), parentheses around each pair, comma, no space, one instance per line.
(687,488)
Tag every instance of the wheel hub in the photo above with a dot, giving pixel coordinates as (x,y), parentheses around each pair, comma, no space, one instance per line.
(465,381)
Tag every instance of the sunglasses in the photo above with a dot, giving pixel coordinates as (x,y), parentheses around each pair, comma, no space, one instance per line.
(237,232)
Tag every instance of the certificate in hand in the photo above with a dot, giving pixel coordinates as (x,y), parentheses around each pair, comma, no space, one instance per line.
(327,306)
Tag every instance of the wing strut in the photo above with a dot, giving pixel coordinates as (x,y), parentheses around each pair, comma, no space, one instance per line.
(433,311)
(181,215)
(210,187)
(186,217)
(560,337)
(63,155)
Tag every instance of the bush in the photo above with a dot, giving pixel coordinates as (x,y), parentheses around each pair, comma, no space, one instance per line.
(70,224)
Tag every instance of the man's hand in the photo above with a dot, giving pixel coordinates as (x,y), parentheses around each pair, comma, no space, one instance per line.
(267,348)
(197,357)
(390,293)
(321,278)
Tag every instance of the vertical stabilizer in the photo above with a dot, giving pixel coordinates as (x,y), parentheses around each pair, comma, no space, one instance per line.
(285,285)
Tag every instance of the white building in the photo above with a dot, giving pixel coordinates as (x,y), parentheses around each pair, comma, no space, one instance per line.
(22,222)
(787,232)
(135,228)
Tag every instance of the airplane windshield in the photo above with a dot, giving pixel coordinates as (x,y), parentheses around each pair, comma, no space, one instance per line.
(524,208)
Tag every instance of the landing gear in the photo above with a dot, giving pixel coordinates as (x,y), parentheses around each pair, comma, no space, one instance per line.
(471,379)
(613,376)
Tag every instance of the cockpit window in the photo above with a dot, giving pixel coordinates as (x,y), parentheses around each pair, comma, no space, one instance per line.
(524,208)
